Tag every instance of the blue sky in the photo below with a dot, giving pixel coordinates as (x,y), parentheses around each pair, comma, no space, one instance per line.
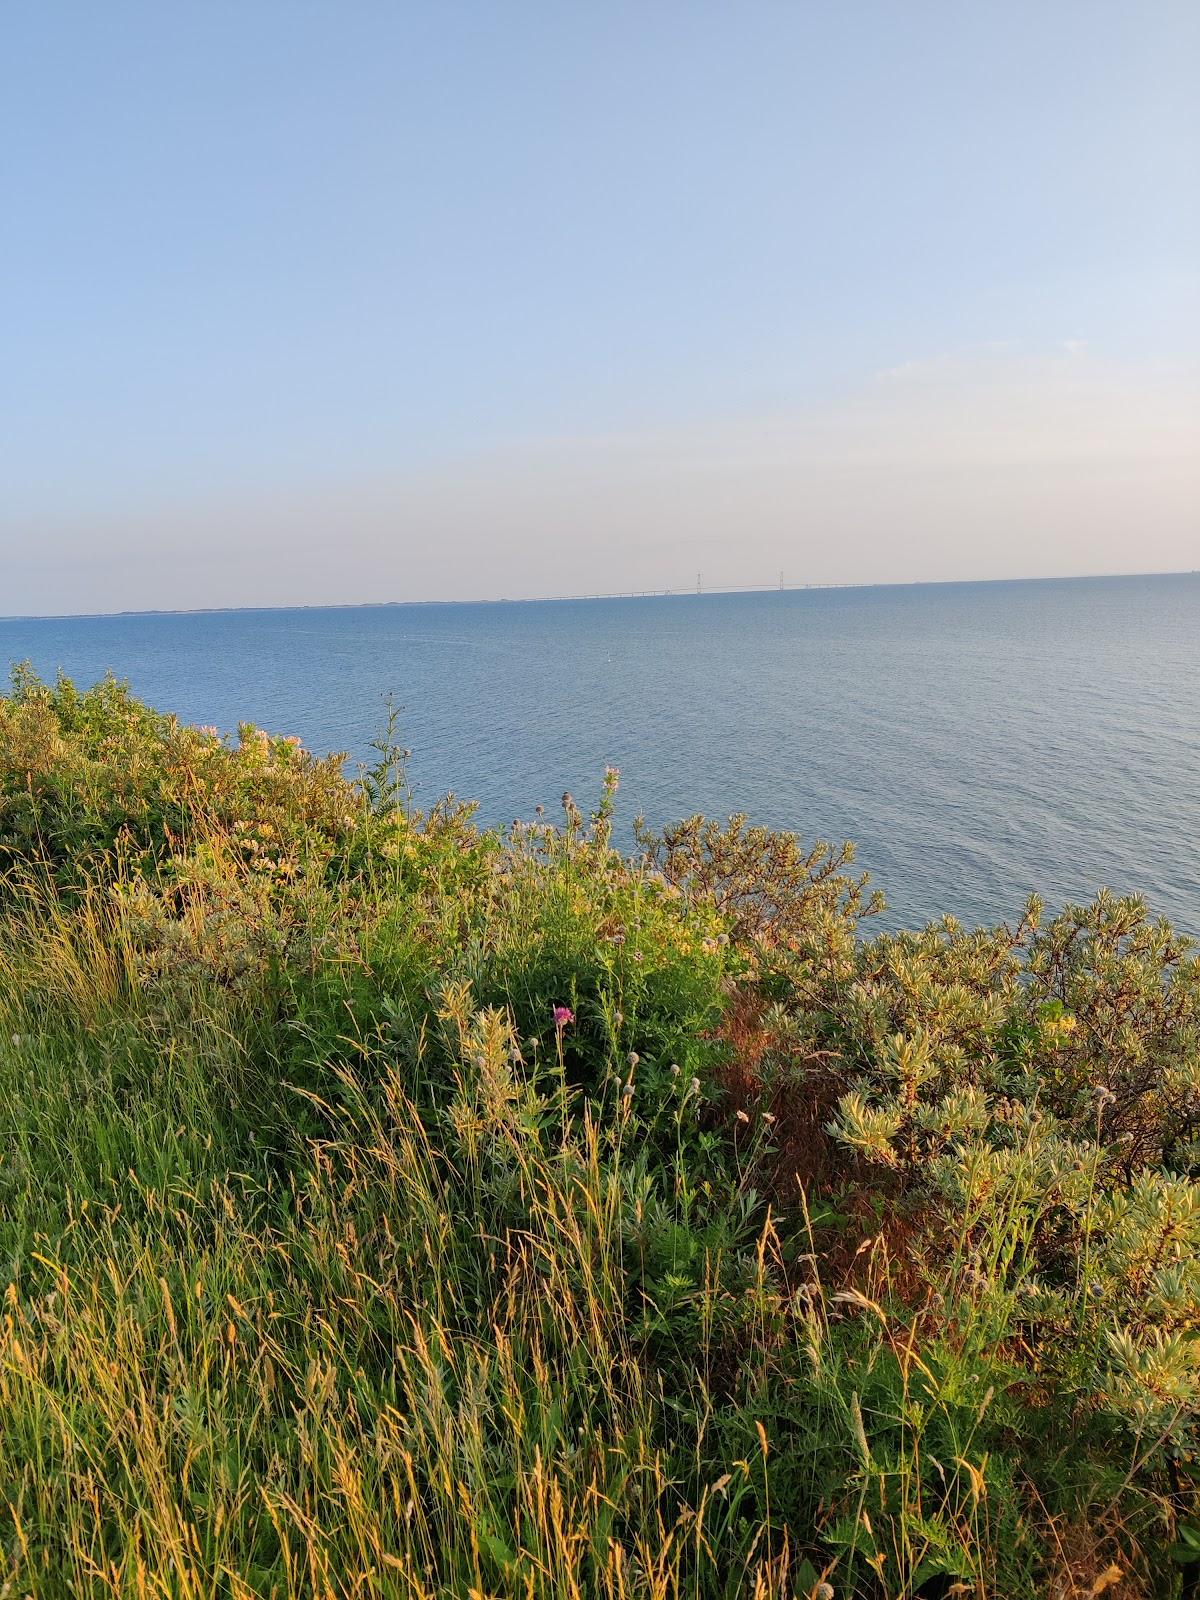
(358,301)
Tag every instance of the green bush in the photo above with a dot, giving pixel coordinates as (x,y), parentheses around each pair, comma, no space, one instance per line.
(390,1206)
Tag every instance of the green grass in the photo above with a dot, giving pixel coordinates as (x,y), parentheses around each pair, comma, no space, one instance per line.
(796,1263)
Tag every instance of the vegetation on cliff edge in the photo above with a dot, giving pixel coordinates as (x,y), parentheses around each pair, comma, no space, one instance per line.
(394,1207)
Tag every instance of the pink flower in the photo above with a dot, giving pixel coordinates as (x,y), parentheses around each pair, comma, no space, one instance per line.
(562,1016)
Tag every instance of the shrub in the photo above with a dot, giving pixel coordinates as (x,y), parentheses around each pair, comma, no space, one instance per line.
(391,1206)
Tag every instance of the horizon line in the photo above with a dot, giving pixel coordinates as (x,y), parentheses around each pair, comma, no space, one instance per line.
(697,593)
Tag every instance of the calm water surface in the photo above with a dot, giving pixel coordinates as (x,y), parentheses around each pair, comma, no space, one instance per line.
(976,740)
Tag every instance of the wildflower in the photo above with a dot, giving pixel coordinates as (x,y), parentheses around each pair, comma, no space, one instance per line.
(633,1058)
(16,1039)
(612,777)
(616,938)
(563,1016)
(768,1116)
(637,955)
(695,1086)
(742,1117)
(627,1091)
(674,1069)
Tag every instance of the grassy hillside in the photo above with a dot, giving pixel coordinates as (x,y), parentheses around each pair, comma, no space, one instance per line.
(394,1208)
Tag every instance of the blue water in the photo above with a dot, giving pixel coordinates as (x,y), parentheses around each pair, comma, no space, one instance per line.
(977,741)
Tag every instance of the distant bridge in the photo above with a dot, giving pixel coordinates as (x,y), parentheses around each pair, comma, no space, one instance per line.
(650,594)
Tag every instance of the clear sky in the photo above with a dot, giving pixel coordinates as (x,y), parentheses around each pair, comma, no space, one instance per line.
(355,301)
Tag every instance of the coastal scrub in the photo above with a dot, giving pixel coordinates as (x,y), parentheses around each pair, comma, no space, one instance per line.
(391,1206)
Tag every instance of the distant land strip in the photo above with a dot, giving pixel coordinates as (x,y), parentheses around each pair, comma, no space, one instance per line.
(683,591)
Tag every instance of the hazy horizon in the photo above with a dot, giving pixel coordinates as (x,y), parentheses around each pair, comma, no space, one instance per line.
(313,306)
(679,592)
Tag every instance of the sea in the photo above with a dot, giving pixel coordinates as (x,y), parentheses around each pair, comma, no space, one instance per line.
(977,741)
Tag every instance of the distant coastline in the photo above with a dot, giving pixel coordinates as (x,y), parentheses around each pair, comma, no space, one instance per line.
(682,593)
